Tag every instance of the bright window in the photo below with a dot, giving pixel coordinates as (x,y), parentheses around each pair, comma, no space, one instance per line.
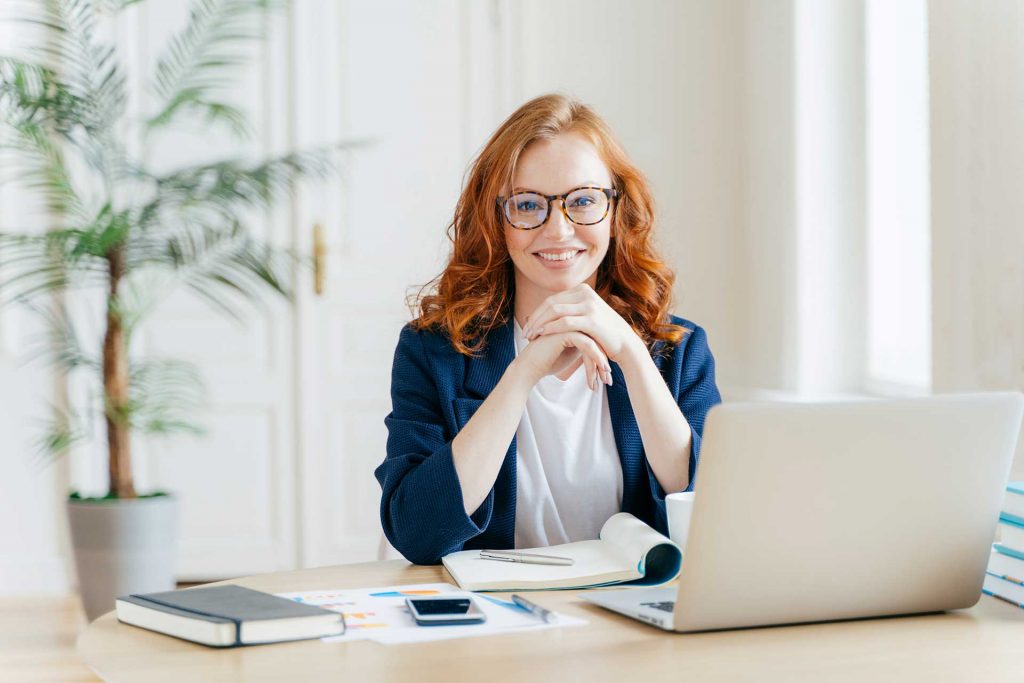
(898,346)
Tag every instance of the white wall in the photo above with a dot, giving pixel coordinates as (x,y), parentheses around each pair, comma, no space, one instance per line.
(33,536)
(977,207)
(667,75)
(33,544)
(769,196)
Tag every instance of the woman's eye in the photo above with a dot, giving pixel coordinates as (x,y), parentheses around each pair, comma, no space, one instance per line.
(583,201)
(527,206)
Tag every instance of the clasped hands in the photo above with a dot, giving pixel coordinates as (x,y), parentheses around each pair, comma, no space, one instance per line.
(577,327)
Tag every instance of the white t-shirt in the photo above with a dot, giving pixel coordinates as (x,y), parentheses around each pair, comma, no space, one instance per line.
(568,473)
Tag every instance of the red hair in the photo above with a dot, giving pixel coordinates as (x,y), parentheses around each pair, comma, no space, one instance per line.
(474,293)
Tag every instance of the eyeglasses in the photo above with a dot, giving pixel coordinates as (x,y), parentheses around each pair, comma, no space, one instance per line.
(581,205)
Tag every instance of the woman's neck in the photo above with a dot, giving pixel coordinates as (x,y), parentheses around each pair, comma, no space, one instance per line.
(527,300)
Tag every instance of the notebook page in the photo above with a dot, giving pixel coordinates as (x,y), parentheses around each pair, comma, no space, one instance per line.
(594,562)
(657,558)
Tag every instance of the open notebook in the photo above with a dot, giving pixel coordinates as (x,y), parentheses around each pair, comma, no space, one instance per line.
(628,551)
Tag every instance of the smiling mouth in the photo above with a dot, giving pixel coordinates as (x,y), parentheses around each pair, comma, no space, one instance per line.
(567,255)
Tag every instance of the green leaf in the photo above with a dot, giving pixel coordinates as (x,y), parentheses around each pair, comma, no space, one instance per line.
(46,264)
(38,163)
(121,230)
(90,71)
(59,433)
(59,342)
(204,57)
(234,185)
(165,397)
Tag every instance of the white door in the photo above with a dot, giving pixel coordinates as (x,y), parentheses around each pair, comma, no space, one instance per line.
(298,395)
(236,483)
(420,83)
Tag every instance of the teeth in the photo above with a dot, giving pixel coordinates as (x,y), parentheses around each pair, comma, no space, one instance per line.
(564,256)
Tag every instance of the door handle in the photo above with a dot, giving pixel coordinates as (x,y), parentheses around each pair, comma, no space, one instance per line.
(319,259)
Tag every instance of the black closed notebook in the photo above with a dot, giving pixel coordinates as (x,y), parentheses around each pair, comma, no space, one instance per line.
(226,616)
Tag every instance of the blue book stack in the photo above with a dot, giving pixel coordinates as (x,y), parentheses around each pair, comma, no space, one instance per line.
(1005,577)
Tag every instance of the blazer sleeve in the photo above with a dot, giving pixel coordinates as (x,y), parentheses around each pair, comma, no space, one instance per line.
(421,508)
(697,393)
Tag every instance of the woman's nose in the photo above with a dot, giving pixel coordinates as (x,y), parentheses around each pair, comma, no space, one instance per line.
(558,226)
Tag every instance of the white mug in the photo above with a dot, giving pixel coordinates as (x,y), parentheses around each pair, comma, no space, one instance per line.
(680,507)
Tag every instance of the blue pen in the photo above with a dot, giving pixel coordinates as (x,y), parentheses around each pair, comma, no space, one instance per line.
(547,615)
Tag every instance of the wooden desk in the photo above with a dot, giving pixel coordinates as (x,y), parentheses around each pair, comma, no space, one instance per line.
(979,644)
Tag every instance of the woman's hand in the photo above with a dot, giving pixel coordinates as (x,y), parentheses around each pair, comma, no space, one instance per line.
(580,309)
(553,354)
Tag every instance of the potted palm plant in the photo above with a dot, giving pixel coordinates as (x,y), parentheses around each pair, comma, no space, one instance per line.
(126,234)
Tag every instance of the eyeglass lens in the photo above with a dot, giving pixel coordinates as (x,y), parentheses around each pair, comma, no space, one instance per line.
(584,206)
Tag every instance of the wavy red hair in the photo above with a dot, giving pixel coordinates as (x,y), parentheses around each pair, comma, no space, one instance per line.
(474,293)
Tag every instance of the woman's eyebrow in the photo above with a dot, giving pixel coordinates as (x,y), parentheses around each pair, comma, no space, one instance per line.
(585,183)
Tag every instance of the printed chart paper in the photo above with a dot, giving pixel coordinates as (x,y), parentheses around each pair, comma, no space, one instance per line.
(380,614)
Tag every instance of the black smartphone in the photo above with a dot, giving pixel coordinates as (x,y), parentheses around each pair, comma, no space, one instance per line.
(445,611)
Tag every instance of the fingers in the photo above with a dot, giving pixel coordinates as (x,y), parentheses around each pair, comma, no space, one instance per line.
(596,362)
(568,323)
(549,311)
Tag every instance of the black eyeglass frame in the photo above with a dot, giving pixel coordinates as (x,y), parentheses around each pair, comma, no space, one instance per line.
(610,193)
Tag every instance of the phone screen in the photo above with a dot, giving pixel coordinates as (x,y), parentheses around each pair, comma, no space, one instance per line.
(437,607)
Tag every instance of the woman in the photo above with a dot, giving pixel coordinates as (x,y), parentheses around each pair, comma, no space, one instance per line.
(544,385)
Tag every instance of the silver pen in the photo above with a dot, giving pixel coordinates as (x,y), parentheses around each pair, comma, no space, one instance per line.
(547,615)
(525,558)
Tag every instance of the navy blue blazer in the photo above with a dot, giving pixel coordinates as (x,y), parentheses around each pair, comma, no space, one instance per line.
(434,392)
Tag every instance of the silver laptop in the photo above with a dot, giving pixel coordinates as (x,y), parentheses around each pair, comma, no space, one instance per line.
(819,512)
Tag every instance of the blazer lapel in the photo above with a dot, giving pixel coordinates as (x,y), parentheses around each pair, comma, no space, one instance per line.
(627,434)
(627,439)
(483,373)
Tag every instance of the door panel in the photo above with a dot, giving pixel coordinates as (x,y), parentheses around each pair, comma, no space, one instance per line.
(406,78)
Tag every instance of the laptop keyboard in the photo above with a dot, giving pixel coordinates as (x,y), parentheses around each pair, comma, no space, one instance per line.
(666,606)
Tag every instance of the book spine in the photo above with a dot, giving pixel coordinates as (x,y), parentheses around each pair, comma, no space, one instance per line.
(1011,517)
(1008,551)
(1000,597)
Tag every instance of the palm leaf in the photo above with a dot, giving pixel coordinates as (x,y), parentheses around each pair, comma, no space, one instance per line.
(221,265)
(47,264)
(165,397)
(132,233)
(55,260)
(203,58)
(60,432)
(32,158)
(89,70)
(31,93)
(59,342)
(234,185)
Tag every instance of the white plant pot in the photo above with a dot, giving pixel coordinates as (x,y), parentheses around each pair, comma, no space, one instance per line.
(123,547)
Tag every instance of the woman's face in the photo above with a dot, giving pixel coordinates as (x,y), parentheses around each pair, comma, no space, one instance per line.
(559,254)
